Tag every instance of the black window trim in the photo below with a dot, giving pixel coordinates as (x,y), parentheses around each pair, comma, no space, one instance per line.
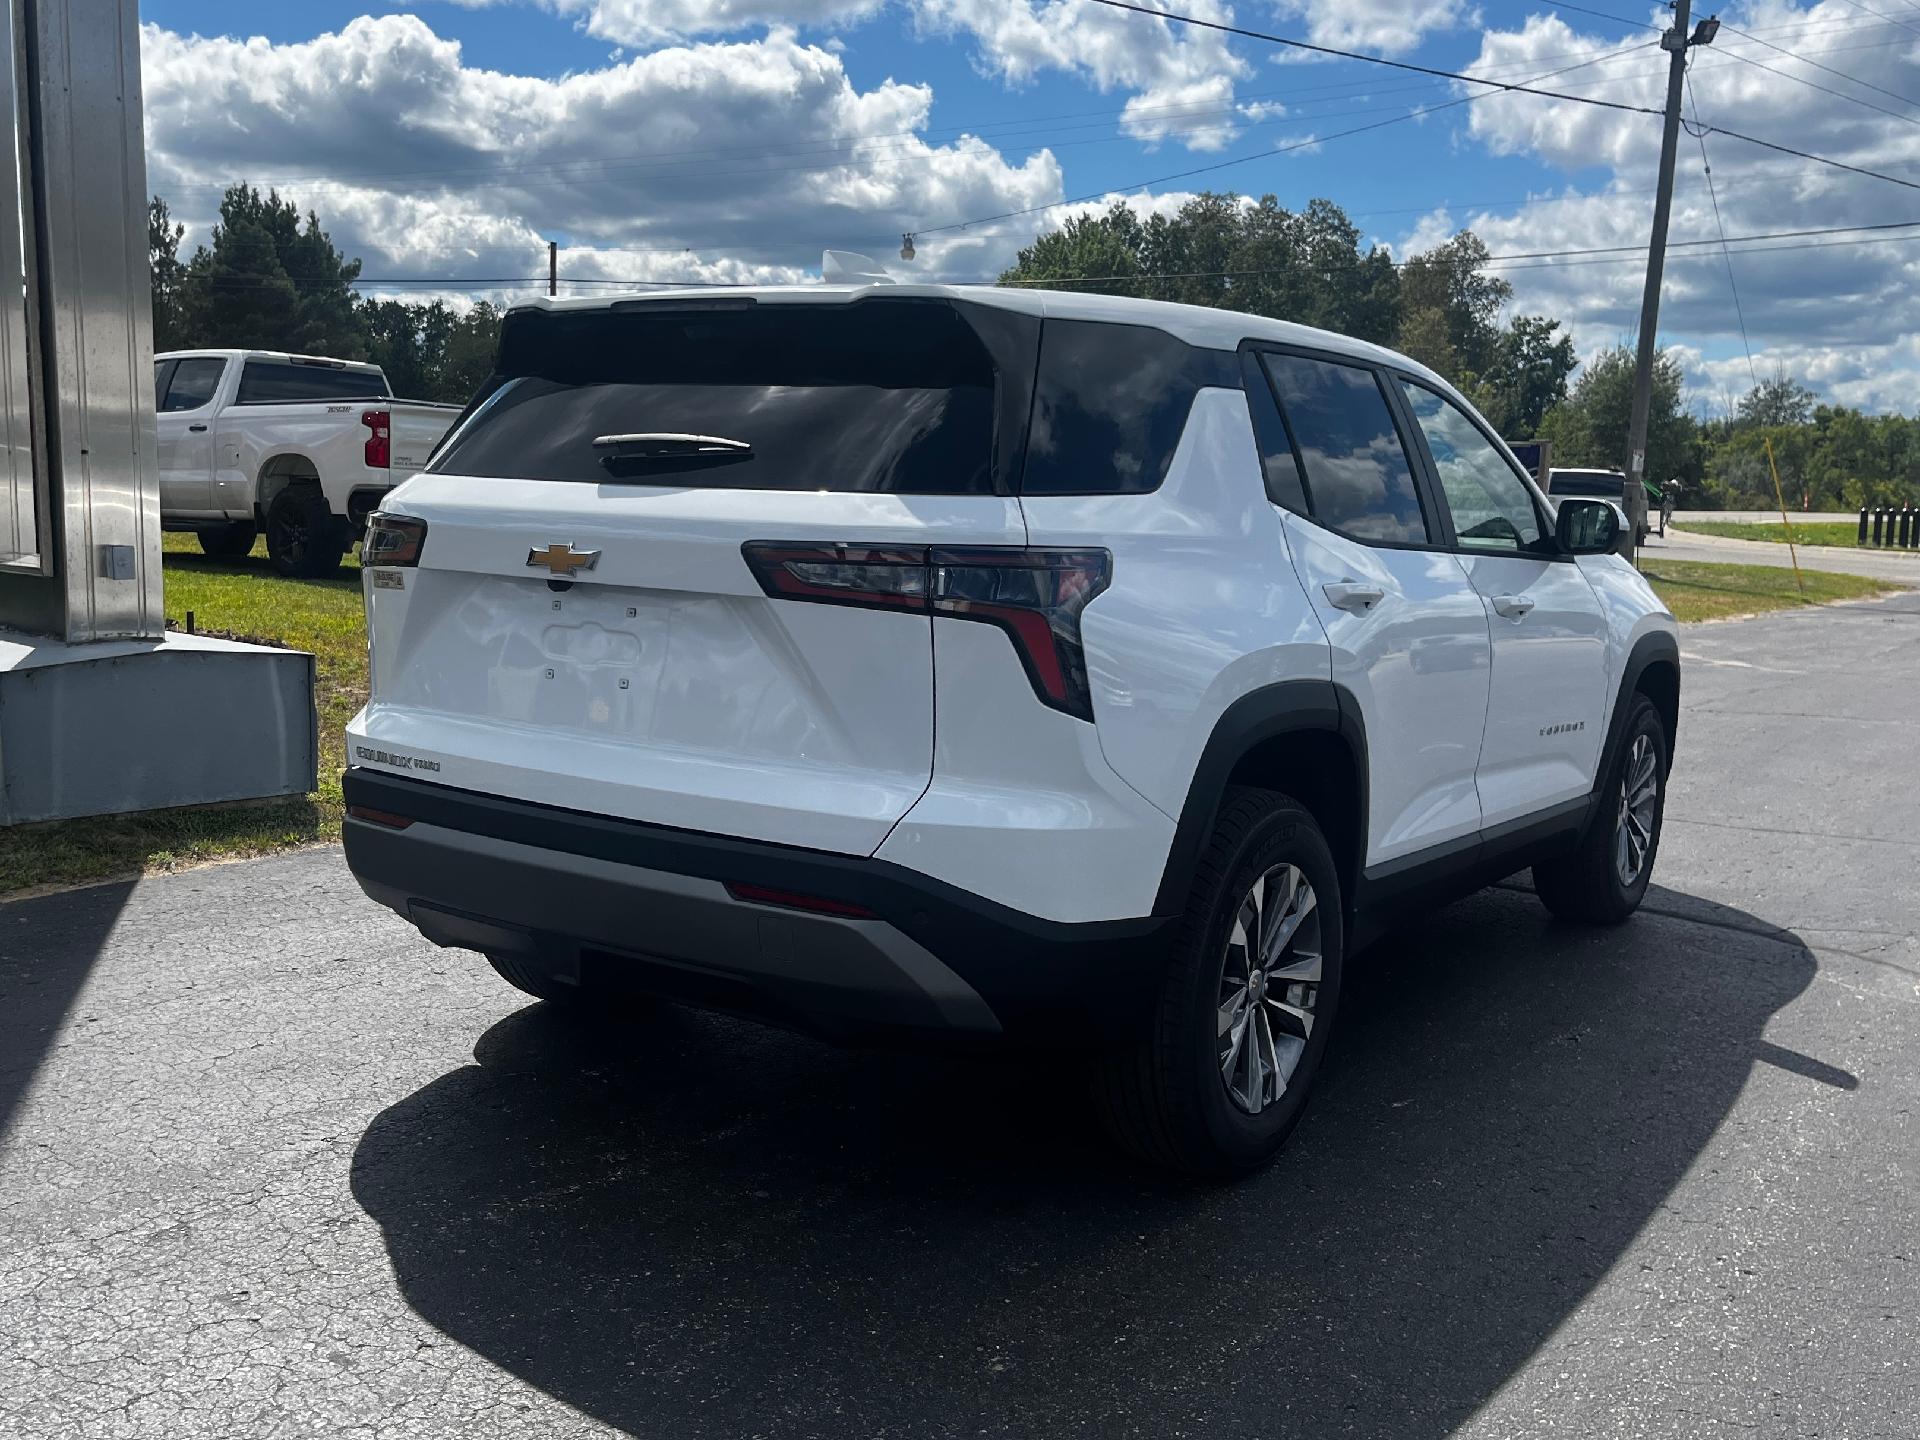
(1548,546)
(1439,535)
(176,361)
(162,379)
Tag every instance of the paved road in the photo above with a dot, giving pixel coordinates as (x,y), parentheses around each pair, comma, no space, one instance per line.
(273,1167)
(1901,568)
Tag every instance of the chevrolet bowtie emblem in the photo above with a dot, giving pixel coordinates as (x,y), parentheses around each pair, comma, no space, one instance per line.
(563,559)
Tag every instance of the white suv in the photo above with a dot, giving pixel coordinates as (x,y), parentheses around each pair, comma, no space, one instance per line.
(983,664)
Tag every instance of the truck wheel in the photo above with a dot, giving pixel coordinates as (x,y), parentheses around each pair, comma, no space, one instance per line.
(1221,1075)
(229,542)
(1603,881)
(304,540)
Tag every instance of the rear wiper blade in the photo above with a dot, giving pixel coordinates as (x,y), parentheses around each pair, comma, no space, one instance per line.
(665,445)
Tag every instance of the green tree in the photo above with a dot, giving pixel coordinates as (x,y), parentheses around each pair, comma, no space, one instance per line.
(167,277)
(1590,426)
(1224,251)
(1527,377)
(1451,279)
(1779,401)
(272,282)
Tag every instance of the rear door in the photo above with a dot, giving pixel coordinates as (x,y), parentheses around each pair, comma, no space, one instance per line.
(676,563)
(1409,633)
(1546,709)
(184,394)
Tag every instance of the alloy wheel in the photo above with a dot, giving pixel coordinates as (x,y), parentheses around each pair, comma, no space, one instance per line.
(1269,985)
(1639,790)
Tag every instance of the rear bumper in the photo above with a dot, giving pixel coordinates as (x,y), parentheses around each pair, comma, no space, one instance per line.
(605,901)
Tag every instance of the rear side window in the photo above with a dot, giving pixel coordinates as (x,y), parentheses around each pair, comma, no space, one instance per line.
(192,383)
(884,396)
(1358,478)
(280,382)
(1110,404)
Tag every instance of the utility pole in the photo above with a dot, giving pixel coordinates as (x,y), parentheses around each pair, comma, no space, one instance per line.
(553,275)
(1676,43)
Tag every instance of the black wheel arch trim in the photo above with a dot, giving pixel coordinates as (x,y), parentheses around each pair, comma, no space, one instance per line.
(1286,707)
(1656,647)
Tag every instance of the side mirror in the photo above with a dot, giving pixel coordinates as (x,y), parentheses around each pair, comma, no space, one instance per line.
(1587,527)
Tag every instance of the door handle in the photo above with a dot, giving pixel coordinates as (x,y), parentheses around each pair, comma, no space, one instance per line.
(1514,607)
(1352,595)
(197,429)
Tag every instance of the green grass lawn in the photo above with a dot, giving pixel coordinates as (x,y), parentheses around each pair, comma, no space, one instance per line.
(1697,591)
(1842,536)
(245,598)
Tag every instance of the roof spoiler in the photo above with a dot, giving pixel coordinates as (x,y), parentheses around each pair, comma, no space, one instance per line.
(844,267)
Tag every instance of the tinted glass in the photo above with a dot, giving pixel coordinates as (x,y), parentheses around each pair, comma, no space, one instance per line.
(1586,482)
(1490,505)
(1110,404)
(878,396)
(1358,479)
(193,383)
(162,372)
(1277,462)
(276,382)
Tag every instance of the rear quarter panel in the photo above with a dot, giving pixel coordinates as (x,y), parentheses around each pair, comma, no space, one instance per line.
(327,434)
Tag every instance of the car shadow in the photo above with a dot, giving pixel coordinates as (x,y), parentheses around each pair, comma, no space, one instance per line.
(683,1225)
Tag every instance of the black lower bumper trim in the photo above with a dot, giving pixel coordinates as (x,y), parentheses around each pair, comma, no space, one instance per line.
(1040,978)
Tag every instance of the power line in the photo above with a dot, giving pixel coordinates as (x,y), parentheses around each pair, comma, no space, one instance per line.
(1816,85)
(1505,85)
(1727,254)
(1271,150)
(1518,89)
(1851,79)
(1878,16)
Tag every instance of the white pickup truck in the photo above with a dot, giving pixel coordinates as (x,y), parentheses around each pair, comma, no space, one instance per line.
(299,446)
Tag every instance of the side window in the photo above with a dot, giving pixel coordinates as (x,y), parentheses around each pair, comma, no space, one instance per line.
(1277,461)
(193,383)
(1358,478)
(1490,505)
(162,373)
(1110,404)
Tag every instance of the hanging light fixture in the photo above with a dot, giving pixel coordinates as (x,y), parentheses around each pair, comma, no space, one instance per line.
(906,246)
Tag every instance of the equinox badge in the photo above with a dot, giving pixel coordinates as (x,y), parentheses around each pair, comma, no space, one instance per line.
(563,559)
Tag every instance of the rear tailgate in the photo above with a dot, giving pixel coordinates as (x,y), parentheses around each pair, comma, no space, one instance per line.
(659,680)
(416,427)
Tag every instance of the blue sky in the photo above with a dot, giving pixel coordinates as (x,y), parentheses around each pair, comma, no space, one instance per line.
(659,138)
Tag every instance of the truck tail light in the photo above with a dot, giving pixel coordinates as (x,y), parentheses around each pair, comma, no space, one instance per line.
(379,425)
(1036,595)
(393,540)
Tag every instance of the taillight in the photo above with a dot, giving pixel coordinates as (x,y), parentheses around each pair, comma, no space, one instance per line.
(393,540)
(379,424)
(1034,594)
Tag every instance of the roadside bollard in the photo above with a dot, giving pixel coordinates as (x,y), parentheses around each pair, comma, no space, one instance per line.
(1906,527)
(1863,527)
(1879,519)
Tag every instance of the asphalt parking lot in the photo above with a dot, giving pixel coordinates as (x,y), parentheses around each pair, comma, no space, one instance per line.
(272,1166)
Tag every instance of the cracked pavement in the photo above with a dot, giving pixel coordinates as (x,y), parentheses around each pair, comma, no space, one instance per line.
(271,1165)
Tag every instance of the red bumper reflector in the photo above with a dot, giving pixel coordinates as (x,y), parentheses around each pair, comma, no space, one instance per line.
(791,900)
(380,817)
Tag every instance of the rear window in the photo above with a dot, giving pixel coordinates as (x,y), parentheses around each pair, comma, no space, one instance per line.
(280,382)
(1587,482)
(893,396)
(1110,406)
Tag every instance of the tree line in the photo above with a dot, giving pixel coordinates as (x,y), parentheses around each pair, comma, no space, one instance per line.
(1447,311)
(271,278)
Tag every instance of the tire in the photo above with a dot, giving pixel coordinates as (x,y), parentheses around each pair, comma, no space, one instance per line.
(230,542)
(528,976)
(1166,1097)
(304,539)
(1589,885)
